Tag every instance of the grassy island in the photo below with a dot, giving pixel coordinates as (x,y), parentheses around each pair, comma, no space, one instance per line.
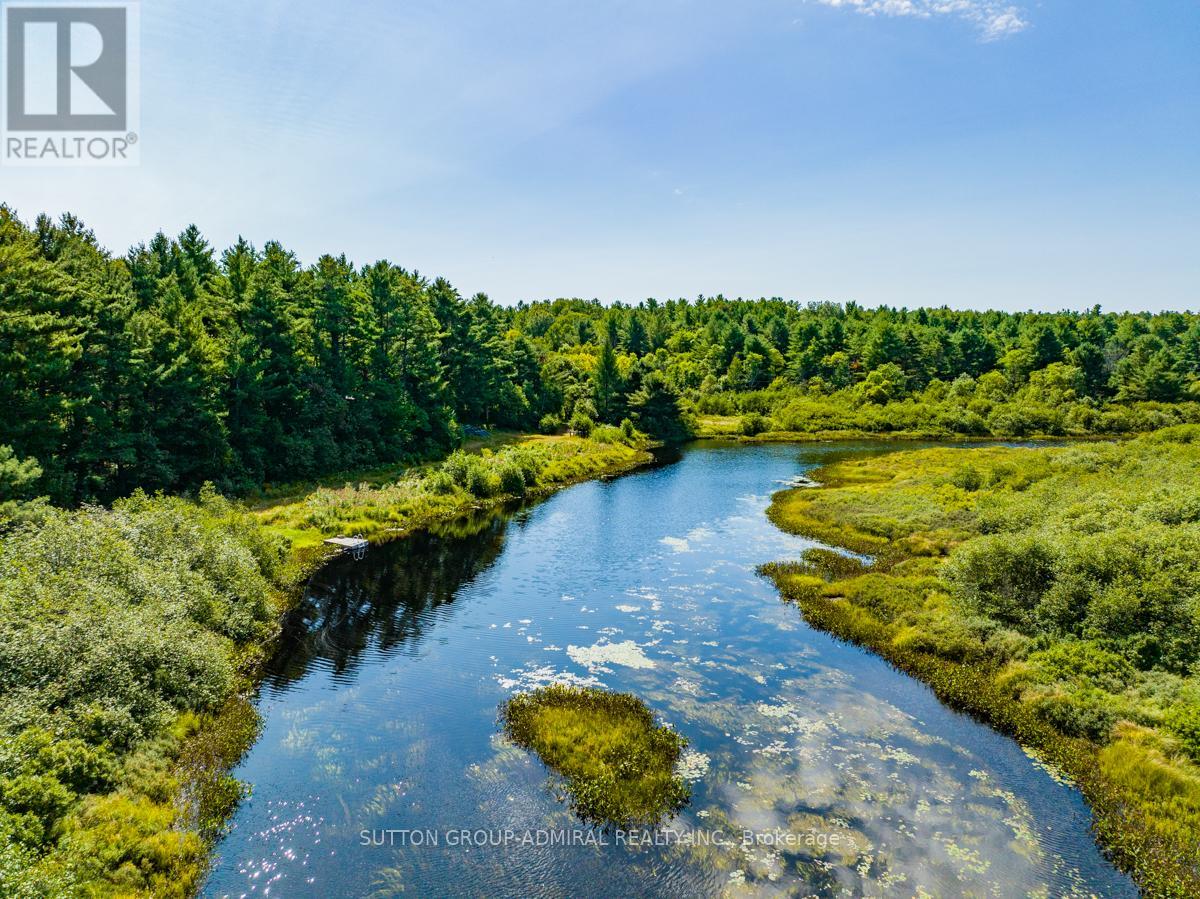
(1051,591)
(618,766)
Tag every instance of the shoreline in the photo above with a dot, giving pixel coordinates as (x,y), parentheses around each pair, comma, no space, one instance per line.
(971,687)
(209,794)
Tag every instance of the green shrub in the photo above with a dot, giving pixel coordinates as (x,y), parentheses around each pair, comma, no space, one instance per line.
(967,477)
(1003,576)
(607,434)
(754,424)
(581,424)
(1184,721)
(1085,662)
(440,482)
(511,478)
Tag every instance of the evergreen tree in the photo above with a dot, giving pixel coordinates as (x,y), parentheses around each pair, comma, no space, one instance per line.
(655,409)
(636,341)
(607,384)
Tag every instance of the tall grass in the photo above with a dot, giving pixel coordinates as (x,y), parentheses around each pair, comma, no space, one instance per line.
(430,493)
(619,768)
(1054,592)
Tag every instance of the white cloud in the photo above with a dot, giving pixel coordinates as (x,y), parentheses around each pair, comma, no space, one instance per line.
(994,18)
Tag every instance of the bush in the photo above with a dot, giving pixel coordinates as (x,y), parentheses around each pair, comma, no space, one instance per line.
(967,477)
(512,478)
(1002,576)
(1184,721)
(754,424)
(1085,662)
(607,434)
(472,474)
(550,424)
(581,424)
(440,482)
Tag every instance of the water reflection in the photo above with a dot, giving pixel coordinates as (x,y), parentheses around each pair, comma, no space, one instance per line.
(386,601)
(850,778)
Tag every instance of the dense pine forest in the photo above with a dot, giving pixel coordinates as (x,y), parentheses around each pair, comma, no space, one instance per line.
(131,624)
(174,365)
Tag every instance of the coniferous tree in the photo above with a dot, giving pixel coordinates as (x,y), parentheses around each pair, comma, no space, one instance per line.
(607,383)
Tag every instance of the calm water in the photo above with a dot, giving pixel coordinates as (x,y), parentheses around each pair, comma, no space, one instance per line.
(850,778)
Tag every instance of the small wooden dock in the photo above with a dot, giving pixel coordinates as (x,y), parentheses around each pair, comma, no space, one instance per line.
(356,545)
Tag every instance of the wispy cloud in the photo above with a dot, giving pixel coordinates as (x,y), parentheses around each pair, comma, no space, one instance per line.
(994,19)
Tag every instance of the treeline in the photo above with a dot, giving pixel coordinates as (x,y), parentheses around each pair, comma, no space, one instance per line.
(174,365)
(171,366)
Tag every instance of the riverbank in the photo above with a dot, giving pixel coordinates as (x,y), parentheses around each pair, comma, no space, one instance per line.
(389,506)
(161,612)
(746,429)
(383,506)
(1050,592)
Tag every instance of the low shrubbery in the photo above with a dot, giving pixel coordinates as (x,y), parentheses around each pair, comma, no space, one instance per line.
(436,492)
(619,768)
(964,408)
(122,632)
(1054,591)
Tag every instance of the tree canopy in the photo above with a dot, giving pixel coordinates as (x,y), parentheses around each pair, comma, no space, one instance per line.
(175,364)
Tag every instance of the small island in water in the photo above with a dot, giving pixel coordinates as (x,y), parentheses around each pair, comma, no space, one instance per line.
(619,767)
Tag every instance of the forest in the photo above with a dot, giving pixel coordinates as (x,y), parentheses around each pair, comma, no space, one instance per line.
(169,410)
(174,365)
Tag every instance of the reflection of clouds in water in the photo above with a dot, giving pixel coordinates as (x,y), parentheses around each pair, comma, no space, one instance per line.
(807,764)
(788,731)
(597,655)
(522,680)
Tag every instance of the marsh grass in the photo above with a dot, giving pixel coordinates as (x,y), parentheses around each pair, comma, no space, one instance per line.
(618,767)
(1051,592)
(394,503)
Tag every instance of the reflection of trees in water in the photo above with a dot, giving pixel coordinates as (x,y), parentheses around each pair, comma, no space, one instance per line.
(388,599)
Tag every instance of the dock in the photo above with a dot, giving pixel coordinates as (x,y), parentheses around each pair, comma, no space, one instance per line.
(356,545)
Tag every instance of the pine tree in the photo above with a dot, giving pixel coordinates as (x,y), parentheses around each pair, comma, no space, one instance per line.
(636,341)
(607,384)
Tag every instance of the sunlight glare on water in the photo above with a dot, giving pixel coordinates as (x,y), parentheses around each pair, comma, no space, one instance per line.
(816,768)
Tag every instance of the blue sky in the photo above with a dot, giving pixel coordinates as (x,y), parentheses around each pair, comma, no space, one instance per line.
(908,152)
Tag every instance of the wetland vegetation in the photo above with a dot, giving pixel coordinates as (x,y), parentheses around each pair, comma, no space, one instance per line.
(618,766)
(132,638)
(136,603)
(1051,590)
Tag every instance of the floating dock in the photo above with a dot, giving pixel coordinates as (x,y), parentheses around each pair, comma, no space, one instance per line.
(356,546)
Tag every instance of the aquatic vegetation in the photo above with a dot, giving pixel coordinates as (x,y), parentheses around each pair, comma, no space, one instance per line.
(1052,591)
(619,767)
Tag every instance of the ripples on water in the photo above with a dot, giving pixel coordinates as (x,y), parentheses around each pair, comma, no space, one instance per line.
(380,714)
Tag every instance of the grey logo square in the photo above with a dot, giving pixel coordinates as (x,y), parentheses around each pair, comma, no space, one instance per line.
(66,68)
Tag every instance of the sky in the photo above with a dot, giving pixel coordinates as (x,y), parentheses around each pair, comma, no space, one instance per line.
(972,153)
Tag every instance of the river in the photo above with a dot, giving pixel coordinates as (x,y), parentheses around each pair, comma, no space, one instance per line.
(816,768)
